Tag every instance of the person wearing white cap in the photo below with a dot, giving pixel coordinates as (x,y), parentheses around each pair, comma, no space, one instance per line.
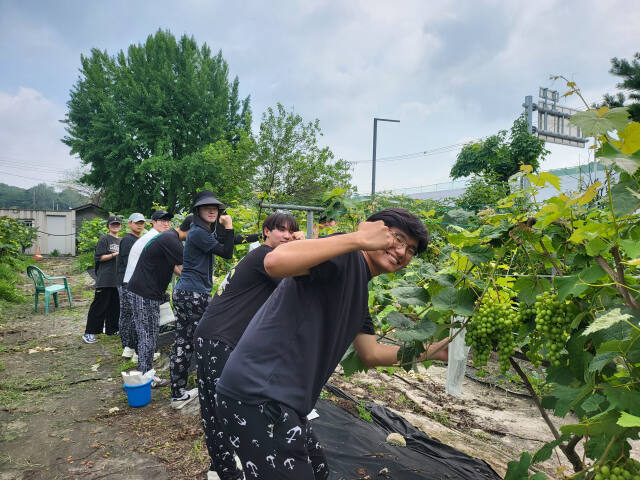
(127,329)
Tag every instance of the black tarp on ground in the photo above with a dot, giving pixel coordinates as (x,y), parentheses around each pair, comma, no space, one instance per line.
(356,448)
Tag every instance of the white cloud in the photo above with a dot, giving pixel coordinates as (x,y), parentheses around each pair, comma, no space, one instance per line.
(30,132)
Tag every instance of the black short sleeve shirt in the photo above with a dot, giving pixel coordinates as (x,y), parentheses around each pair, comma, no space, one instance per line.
(123,257)
(238,298)
(296,339)
(106,274)
(153,272)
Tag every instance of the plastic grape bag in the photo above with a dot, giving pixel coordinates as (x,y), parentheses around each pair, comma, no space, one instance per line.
(457,365)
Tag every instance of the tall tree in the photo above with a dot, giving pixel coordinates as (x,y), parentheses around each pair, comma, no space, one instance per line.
(500,156)
(292,167)
(138,120)
(629,71)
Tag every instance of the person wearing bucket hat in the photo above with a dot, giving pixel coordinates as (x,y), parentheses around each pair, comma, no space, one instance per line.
(192,291)
(136,224)
(105,308)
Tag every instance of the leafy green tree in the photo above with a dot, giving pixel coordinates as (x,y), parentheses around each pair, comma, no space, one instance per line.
(629,71)
(501,156)
(292,167)
(139,118)
(482,191)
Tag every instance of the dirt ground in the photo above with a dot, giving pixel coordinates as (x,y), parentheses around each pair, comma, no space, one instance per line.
(64,414)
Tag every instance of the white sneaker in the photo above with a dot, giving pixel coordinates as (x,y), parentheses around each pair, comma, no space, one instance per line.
(128,352)
(211,475)
(159,382)
(186,398)
(134,357)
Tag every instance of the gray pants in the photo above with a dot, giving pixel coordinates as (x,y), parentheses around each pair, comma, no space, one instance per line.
(146,314)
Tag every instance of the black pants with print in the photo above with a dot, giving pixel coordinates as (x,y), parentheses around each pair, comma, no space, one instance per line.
(211,357)
(146,314)
(127,328)
(272,441)
(104,312)
(189,307)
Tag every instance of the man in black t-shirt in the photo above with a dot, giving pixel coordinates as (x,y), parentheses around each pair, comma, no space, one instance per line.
(105,308)
(294,342)
(238,298)
(147,289)
(128,337)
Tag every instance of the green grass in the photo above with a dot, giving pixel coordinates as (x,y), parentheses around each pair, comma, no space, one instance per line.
(363,412)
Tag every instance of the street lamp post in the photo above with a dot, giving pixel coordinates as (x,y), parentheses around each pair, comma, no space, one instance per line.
(375,136)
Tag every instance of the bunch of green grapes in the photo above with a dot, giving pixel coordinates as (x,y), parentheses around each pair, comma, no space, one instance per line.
(553,323)
(627,470)
(491,328)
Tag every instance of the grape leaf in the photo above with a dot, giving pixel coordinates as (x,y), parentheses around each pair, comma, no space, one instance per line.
(631,138)
(628,420)
(630,247)
(421,331)
(601,360)
(623,399)
(398,320)
(351,362)
(569,285)
(606,320)
(592,124)
(598,424)
(527,289)
(460,301)
(478,254)
(545,452)
(519,469)
(413,295)
(623,199)
(610,155)
(592,403)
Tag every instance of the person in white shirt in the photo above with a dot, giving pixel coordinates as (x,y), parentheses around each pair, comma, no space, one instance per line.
(160,222)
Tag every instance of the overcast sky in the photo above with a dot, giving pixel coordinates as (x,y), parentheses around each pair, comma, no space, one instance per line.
(450,71)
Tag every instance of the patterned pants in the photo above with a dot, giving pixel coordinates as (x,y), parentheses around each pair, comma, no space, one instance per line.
(146,314)
(189,307)
(211,357)
(272,441)
(127,328)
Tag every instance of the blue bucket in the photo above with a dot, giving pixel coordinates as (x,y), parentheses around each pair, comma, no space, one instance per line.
(138,395)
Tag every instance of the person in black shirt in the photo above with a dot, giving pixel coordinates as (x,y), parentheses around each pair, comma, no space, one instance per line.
(238,298)
(294,342)
(105,308)
(147,289)
(128,337)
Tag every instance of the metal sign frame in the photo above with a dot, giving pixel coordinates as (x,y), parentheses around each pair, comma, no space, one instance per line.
(553,120)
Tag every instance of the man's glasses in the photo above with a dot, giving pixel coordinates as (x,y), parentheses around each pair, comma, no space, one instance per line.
(399,241)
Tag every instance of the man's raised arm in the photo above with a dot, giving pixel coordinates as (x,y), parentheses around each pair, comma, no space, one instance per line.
(296,258)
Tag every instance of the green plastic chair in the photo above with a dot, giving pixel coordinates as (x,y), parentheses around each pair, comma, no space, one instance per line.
(39,278)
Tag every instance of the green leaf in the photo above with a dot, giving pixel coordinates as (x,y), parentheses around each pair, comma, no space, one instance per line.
(623,398)
(527,289)
(351,362)
(606,320)
(414,295)
(546,450)
(601,360)
(519,470)
(628,420)
(623,199)
(421,331)
(602,423)
(398,320)
(478,254)
(570,285)
(460,301)
(566,397)
(631,138)
(592,274)
(596,247)
(592,403)
(609,155)
(592,124)
(630,247)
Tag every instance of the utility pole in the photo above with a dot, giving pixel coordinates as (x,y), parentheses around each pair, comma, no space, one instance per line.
(375,137)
